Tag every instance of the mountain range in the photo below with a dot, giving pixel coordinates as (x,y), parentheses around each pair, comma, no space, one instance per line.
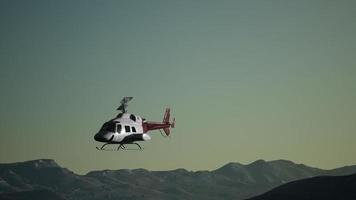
(321,187)
(45,179)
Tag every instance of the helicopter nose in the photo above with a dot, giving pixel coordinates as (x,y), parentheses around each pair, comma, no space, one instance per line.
(100,137)
(104,137)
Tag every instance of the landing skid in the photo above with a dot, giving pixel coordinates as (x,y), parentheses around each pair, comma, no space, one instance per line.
(121,146)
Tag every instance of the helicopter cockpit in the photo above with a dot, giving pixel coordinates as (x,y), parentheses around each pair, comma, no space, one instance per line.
(109,127)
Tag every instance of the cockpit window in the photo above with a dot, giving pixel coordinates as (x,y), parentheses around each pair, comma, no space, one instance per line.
(119,128)
(133,118)
(109,126)
(133,129)
(127,129)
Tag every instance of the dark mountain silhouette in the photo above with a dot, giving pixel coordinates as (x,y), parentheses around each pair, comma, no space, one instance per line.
(322,187)
(231,181)
(32,194)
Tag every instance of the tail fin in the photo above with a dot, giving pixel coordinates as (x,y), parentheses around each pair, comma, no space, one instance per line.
(167,131)
(166,117)
(167,114)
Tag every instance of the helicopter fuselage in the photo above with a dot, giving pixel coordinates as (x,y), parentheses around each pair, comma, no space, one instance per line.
(127,128)
(124,129)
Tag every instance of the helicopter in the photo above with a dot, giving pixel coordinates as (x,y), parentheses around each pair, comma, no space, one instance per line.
(127,128)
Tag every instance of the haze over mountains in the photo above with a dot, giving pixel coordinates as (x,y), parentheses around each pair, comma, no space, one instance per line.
(45,179)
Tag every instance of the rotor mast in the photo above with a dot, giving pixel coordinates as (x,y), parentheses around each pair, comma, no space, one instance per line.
(123,105)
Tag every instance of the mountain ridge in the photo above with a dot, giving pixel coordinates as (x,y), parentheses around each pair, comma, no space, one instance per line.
(230,181)
(321,187)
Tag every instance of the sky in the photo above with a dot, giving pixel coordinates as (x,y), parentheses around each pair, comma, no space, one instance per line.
(246,80)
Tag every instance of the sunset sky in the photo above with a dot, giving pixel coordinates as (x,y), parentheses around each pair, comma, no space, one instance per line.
(246,80)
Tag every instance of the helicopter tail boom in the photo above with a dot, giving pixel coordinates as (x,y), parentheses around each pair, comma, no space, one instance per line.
(165,124)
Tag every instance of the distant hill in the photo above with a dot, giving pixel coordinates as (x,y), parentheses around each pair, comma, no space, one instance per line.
(231,181)
(322,187)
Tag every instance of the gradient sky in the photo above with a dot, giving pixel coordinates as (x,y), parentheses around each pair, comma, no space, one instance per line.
(246,80)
